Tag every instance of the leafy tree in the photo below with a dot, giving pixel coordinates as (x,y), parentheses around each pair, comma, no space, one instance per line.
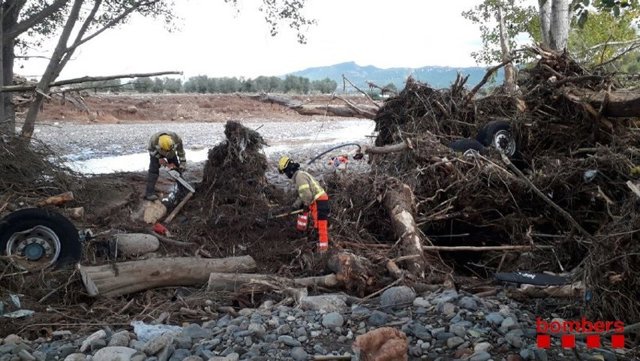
(500,21)
(143,85)
(595,41)
(324,86)
(173,85)
(158,86)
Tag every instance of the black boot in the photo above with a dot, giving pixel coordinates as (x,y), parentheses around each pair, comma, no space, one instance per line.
(150,192)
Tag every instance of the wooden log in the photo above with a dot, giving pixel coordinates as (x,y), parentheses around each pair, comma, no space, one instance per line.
(348,110)
(399,202)
(233,281)
(118,279)
(619,103)
(483,248)
(57,199)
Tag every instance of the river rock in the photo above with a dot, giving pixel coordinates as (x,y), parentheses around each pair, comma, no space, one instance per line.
(135,244)
(397,297)
(76,357)
(324,303)
(111,353)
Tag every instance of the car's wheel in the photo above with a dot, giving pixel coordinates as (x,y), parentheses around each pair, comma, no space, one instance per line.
(39,238)
(497,134)
(464,145)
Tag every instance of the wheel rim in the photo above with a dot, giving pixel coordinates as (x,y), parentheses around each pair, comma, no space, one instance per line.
(504,142)
(35,248)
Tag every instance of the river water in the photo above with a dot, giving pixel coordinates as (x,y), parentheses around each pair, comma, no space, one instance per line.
(109,148)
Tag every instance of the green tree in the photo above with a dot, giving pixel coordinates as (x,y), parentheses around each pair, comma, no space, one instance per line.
(500,21)
(324,86)
(158,86)
(173,85)
(143,85)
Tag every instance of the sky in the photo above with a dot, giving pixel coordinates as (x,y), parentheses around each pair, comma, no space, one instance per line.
(214,40)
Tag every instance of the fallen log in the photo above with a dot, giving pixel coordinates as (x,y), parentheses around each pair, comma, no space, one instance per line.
(573,291)
(619,103)
(118,279)
(57,199)
(348,110)
(483,248)
(400,203)
(234,281)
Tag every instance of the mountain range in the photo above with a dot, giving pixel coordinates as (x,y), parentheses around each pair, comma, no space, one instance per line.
(435,76)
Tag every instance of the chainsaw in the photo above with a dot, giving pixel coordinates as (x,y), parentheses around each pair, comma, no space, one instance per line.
(176,175)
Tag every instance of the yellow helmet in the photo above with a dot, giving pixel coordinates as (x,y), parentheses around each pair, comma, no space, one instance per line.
(283,163)
(165,142)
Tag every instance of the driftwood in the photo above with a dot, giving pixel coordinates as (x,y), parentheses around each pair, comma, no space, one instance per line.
(57,199)
(84,79)
(127,277)
(483,248)
(619,103)
(234,281)
(348,110)
(400,203)
(574,291)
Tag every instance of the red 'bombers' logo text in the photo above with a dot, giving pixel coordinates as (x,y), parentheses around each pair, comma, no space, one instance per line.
(568,329)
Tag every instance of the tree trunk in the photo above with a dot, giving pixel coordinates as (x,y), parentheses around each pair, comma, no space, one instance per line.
(559,26)
(509,69)
(53,70)
(234,281)
(545,20)
(621,103)
(118,279)
(9,20)
(400,203)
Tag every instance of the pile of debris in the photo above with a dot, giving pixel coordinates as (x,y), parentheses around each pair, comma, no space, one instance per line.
(566,199)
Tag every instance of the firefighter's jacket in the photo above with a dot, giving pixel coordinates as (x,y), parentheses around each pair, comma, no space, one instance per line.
(308,189)
(176,152)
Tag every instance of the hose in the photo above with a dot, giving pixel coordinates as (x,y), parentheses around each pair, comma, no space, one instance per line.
(330,149)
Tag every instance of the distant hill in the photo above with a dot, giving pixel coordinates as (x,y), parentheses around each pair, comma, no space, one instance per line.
(435,76)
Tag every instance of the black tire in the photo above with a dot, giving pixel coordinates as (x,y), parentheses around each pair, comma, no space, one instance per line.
(70,249)
(463,145)
(488,132)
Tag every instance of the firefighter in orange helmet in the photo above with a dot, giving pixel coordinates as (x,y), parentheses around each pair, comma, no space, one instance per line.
(311,196)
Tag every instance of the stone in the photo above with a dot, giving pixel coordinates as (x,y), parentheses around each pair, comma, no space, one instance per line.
(468,303)
(26,355)
(324,303)
(332,320)
(446,296)
(299,354)
(454,342)
(289,341)
(12,339)
(111,353)
(494,318)
(508,323)
(447,308)
(378,318)
(480,356)
(136,244)
(192,358)
(458,329)
(527,354)
(513,357)
(421,302)
(195,331)
(482,346)
(514,338)
(76,357)
(156,344)
(98,335)
(257,330)
(120,339)
(397,297)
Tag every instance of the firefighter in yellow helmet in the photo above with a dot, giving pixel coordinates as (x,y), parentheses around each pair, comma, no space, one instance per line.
(166,149)
(310,196)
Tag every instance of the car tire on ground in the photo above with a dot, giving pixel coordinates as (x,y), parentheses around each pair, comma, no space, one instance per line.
(497,134)
(40,238)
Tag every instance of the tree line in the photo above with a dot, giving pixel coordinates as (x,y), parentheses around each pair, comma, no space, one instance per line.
(203,84)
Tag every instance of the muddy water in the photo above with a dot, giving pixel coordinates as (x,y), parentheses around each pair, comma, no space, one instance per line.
(108,148)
